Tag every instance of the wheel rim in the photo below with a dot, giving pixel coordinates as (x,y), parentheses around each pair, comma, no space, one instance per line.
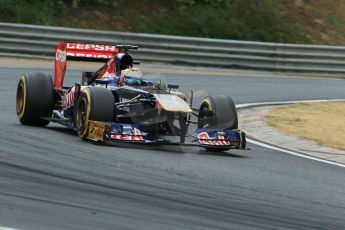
(20,98)
(204,113)
(81,115)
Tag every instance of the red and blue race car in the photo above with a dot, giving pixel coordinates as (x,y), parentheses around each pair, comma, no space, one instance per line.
(116,103)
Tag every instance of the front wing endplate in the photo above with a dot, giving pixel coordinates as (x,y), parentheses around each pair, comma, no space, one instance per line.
(98,131)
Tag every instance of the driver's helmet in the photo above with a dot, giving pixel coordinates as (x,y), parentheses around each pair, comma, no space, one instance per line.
(133,77)
(122,62)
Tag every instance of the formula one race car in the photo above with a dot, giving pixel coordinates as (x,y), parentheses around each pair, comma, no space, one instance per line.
(116,103)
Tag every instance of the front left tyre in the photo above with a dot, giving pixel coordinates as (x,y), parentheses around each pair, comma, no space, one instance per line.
(218,112)
(34,100)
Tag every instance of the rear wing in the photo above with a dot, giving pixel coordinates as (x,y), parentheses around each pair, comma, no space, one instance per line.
(82,52)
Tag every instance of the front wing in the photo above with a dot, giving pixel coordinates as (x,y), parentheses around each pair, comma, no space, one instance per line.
(220,138)
(120,132)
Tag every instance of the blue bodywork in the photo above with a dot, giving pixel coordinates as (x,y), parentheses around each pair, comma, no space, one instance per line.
(220,138)
(212,138)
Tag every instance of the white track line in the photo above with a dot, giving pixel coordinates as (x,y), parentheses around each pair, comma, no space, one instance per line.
(293,153)
(268,146)
(247,105)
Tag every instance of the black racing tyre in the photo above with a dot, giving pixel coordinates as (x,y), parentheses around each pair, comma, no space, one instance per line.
(218,112)
(95,103)
(35,99)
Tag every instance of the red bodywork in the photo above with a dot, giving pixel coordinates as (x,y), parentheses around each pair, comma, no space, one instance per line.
(79,51)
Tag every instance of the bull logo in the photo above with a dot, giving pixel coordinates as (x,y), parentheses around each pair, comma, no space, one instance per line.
(203,136)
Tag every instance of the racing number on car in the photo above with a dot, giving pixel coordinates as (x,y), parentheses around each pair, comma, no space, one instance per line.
(60,55)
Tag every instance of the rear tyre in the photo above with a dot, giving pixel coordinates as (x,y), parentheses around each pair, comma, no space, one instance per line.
(35,98)
(217,112)
(94,103)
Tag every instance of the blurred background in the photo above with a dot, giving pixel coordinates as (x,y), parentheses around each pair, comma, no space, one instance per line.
(286,21)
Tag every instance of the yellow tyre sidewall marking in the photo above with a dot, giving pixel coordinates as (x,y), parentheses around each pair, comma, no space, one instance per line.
(208,102)
(23,81)
(88,109)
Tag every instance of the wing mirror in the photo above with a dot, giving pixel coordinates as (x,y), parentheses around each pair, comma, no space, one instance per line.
(173,86)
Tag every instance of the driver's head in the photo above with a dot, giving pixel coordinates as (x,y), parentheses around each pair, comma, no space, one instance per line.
(122,62)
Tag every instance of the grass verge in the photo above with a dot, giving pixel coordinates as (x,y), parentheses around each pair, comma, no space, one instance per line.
(321,122)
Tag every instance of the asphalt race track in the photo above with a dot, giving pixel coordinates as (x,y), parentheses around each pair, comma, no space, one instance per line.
(50,179)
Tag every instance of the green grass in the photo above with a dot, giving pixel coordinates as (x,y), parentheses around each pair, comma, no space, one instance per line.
(227,19)
(242,20)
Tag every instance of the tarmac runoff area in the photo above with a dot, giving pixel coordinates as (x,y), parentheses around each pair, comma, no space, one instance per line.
(252,121)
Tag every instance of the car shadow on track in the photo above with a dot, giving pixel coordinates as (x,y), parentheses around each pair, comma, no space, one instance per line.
(180,149)
(223,154)
(62,130)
